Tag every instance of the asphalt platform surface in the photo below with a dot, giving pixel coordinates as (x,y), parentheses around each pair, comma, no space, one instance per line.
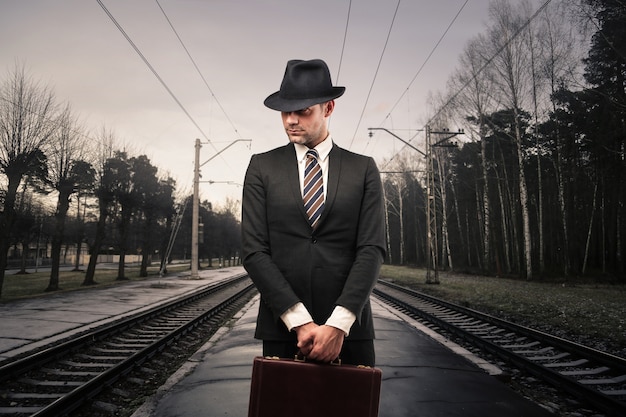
(424,375)
(29,323)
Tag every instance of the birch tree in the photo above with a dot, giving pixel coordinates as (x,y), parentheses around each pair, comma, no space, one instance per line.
(559,60)
(511,77)
(475,101)
(394,190)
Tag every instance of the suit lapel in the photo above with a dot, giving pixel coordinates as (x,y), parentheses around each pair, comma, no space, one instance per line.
(290,164)
(334,173)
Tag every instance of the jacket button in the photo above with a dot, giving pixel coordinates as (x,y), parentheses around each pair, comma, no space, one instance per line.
(313,240)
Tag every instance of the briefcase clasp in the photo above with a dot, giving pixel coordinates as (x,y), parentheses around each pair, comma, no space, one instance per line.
(299,357)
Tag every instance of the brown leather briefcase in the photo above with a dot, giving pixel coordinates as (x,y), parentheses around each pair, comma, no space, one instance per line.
(295,388)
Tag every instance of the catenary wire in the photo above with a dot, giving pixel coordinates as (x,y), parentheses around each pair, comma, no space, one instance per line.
(197,69)
(481,69)
(343,46)
(382,54)
(490,60)
(426,60)
(421,68)
(156,74)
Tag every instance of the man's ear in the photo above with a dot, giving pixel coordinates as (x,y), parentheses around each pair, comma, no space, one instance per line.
(329,106)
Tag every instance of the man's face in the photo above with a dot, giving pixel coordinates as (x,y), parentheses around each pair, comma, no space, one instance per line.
(308,126)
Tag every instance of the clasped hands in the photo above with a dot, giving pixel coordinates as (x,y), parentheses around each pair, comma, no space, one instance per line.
(320,343)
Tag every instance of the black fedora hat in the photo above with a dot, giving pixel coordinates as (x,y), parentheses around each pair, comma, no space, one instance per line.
(305,83)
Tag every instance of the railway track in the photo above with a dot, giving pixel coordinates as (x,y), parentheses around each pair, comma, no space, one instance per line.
(61,379)
(590,375)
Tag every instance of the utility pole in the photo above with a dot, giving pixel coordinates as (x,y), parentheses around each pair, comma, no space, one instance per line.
(431,244)
(432,274)
(195,212)
(195,221)
(431,215)
(431,212)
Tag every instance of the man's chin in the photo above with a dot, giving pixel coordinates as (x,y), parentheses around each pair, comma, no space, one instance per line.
(297,139)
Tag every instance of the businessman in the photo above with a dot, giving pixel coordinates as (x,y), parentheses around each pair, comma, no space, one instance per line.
(312,229)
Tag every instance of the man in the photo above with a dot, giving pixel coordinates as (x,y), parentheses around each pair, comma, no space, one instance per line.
(314,266)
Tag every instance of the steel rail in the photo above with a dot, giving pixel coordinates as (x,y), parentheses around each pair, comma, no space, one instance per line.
(22,365)
(80,395)
(66,402)
(585,391)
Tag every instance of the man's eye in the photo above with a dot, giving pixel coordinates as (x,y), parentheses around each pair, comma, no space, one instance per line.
(304,112)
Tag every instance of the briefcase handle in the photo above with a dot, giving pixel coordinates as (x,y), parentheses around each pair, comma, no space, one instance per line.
(299,357)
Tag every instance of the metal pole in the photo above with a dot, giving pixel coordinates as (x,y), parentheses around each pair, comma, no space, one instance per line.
(195,221)
(195,213)
(432,277)
(431,210)
(431,223)
(397,137)
(432,201)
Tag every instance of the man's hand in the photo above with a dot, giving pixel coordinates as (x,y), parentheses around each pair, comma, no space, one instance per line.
(305,342)
(320,343)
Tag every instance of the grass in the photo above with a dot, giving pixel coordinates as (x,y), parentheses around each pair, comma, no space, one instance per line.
(592,313)
(34,284)
(584,310)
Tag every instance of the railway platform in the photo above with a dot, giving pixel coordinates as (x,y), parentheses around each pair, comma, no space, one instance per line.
(423,374)
(27,324)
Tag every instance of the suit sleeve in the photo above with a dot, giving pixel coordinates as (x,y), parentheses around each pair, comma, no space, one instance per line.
(274,288)
(370,248)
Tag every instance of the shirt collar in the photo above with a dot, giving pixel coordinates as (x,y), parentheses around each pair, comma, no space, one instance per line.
(323,149)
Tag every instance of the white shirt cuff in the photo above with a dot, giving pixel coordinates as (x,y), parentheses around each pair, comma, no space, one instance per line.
(295,316)
(342,319)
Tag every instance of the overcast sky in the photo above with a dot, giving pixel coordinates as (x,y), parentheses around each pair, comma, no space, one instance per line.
(241,48)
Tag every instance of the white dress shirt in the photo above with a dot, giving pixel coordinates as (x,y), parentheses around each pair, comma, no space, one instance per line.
(297,315)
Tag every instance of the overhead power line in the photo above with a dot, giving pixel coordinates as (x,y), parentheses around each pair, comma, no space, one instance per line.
(380,60)
(426,60)
(197,69)
(156,74)
(487,63)
(490,60)
(343,46)
(435,47)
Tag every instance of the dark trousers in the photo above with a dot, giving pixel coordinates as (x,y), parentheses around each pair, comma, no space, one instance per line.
(353,352)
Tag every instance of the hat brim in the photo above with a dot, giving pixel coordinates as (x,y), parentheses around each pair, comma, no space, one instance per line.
(276,102)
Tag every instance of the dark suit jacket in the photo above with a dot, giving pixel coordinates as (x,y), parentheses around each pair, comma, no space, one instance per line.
(337,264)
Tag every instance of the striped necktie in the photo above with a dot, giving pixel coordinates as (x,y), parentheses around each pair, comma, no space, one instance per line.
(313,193)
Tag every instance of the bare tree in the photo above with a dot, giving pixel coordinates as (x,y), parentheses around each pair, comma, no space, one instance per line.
(399,172)
(397,188)
(441,174)
(28,222)
(103,191)
(474,102)
(560,59)
(68,172)
(511,77)
(27,123)
(532,33)
(387,231)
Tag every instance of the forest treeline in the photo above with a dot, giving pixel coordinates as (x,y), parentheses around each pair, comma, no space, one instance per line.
(533,187)
(535,184)
(64,188)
